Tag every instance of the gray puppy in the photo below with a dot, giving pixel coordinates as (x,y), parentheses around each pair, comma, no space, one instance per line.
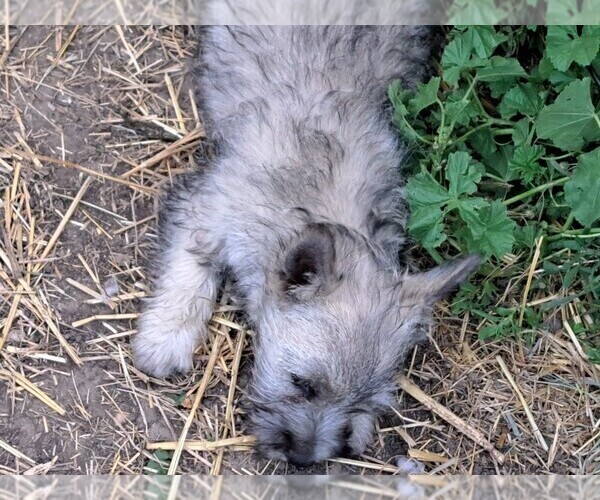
(303,205)
(312,12)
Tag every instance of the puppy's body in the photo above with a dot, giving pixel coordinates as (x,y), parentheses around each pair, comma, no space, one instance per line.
(303,205)
(316,12)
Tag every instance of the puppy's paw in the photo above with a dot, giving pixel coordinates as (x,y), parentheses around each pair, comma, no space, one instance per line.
(160,350)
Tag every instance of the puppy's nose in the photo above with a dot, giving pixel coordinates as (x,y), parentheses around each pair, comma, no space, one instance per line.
(297,453)
(300,459)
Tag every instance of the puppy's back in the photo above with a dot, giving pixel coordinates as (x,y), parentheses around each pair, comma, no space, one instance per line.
(242,68)
(298,116)
(315,12)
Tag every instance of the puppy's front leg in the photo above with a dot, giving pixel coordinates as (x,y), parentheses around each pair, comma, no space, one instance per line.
(174,319)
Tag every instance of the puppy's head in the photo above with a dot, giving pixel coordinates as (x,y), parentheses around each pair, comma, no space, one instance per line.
(332,333)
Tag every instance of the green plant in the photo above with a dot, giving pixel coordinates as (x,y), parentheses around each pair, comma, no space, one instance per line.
(159,464)
(465,12)
(507,154)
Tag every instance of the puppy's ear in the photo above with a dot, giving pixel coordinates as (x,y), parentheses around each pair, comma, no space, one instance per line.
(438,283)
(309,264)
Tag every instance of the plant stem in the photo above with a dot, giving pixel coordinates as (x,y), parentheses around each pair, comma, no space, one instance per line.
(470,89)
(416,134)
(533,191)
(505,131)
(435,255)
(576,233)
(561,157)
(568,222)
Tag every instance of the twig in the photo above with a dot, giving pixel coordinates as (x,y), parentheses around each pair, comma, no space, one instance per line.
(392,469)
(454,420)
(12,314)
(32,389)
(44,312)
(239,347)
(369,491)
(194,445)
(170,150)
(41,469)
(536,431)
(199,395)
(587,443)
(63,223)
(13,451)
(427,456)
(104,317)
(532,269)
(174,489)
(575,341)
(81,168)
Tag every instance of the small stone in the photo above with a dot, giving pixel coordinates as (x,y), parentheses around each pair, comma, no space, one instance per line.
(409,465)
(111,287)
(64,100)
(408,489)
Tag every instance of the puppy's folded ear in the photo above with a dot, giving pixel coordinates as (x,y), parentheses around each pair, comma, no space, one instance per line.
(439,282)
(309,264)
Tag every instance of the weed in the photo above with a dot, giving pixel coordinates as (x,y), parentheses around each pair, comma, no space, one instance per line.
(507,155)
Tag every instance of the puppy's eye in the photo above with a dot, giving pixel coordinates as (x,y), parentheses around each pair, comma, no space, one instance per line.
(308,391)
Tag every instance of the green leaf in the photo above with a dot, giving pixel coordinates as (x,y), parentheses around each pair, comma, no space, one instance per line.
(426,95)
(545,67)
(484,40)
(469,212)
(526,236)
(524,162)
(424,190)
(560,80)
(426,225)
(568,12)
(570,122)
(501,69)
(463,300)
(455,58)
(547,71)
(551,268)
(498,162)
(160,464)
(501,74)
(456,112)
(582,191)
(482,141)
(499,325)
(523,99)
(463,174)
(398,97)
(569,276)
(482,12)
(460,110)
(520,133)
(565,46)
(497,238)
(163,455)
(593,354)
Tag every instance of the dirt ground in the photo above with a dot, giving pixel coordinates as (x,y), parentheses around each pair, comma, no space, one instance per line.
(94,122)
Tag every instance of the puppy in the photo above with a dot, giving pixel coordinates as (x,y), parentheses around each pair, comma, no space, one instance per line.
(303,205)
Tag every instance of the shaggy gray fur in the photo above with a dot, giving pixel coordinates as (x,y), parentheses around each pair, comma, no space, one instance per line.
(303,206)
(318,12)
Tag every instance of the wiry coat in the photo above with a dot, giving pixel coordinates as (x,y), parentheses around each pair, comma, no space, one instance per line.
(303,205)
(318,12)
